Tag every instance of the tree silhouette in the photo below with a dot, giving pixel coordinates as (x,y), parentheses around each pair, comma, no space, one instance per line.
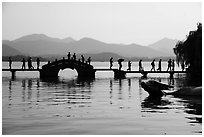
(189,51)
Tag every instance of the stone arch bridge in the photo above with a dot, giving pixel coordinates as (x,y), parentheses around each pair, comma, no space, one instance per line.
(52,69)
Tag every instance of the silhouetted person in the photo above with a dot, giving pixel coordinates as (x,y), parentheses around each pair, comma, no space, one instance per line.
(23,65)
(82,58)
(159,65)
(30,66)
(140,66)
(38,63)
(48,62)
(89,60)
(63,60)
(173,65)
(153,65)
(111,62)
(10,62)
(68,56)
(55,60)
(74,56)
(169,65)
(120,64)
(129,65)
(182,66)
(79,60)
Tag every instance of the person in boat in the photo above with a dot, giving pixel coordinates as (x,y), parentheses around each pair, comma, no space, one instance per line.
(140,66)
(159,65)
(129,65)
(153,65)
(10,62)
(23,65)
(111,62)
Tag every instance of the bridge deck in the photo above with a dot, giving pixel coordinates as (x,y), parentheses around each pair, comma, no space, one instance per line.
(101,69)
(21,69)
(155,72)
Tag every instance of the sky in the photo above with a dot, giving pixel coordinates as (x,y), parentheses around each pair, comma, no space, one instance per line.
(110,22)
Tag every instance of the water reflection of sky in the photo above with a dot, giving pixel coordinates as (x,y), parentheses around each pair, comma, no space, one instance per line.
(103,95)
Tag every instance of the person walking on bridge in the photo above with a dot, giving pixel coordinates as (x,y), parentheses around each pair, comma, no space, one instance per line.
(10,62)
(30,66)
(89,60)
(74,57)
(173,65)
(120,63)
(23,65)
(153,65)
(68,56)
(82,58)
(140,66)
(159,65)
(111,62)
(169,65)
(38,63)
(129,65)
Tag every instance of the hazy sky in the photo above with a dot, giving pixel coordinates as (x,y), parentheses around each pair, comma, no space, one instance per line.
(141,23)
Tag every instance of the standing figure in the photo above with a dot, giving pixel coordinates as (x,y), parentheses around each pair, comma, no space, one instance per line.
(74,56)
(89,60)
(140,66)
(10,62)
(169,65)
(182,66)
(129,65)
(111,62)
(153,65)
(82,58)
(30,66)
(120,64)
(38,63)
(159,65)
(173,65)
(23,65)
(68,56)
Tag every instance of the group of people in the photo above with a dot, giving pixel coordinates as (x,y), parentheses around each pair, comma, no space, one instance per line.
(80,60)
(171,65)
(30,66)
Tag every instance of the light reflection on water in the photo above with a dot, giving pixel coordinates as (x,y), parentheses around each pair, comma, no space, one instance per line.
(103,105)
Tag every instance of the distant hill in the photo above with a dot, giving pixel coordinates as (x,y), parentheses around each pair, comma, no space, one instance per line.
(9,51)
(40,44)
(164,45)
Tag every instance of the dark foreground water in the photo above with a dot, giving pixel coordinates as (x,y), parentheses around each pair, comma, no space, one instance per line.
(105,105)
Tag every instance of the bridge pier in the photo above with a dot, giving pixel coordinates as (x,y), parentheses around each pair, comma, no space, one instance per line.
(119,74)
(171,75)
(13,74)
(86,73)
(48,73)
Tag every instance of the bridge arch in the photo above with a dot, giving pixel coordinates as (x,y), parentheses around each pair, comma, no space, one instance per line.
(52,69)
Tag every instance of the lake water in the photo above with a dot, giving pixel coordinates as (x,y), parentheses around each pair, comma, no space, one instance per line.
(104,105)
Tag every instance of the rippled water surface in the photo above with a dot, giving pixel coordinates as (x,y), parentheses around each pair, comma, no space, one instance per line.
(103,105)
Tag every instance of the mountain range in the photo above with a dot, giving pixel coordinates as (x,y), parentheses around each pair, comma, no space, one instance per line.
(41,45)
